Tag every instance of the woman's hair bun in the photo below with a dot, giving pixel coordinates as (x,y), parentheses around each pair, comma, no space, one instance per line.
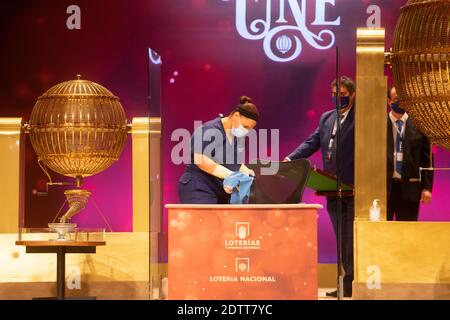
(245,99)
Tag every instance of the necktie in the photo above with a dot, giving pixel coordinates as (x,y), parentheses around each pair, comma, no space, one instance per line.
(399,147)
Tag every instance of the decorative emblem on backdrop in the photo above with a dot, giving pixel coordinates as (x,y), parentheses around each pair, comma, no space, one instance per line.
(283,41)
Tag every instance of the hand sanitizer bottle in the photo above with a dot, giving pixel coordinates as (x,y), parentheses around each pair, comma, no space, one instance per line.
(375,211)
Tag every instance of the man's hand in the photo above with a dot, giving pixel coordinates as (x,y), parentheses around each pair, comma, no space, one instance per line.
(286,159)
(426,196)
(246,171)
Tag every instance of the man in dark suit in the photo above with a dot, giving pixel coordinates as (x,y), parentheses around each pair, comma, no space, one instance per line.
(408,149)
(323,138)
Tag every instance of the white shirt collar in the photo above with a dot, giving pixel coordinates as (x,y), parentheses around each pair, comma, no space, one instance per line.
(343,117)
(394,119)
(345,114)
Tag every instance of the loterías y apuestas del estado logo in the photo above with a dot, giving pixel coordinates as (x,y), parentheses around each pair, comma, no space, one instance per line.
(242,239)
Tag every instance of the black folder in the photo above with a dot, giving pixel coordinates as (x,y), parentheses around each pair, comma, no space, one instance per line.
(285,182)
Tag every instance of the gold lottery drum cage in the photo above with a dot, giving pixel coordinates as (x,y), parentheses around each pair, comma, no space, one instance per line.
(421,66)
(78,128)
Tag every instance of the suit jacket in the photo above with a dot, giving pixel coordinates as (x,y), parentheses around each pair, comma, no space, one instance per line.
(320,140)
(416,153)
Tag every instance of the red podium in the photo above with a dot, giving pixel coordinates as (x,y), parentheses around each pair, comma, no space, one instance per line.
(238,252)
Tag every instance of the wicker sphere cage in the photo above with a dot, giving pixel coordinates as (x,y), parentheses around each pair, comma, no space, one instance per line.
(421,66)
(78,128)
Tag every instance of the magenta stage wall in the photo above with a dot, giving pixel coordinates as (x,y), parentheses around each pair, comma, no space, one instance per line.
(215,65)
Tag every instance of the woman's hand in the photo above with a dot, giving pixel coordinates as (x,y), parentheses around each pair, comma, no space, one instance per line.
(228,189)
(246,171)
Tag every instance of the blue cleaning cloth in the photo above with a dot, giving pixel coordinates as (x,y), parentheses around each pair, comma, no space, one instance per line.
(241,185)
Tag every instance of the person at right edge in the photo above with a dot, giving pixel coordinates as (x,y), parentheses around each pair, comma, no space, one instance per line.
(324,138)
(407,150)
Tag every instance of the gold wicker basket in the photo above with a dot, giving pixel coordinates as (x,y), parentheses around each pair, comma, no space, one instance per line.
(78,128)
(421,66)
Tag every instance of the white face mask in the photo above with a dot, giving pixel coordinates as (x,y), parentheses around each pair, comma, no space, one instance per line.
(239,132)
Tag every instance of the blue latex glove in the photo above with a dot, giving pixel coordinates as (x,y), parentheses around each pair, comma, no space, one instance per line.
(241,184)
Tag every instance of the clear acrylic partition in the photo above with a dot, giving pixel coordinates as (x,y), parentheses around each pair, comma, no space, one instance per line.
(158,239)
(124,209)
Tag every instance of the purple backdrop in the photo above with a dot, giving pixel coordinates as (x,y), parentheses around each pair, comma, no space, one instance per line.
(199,40)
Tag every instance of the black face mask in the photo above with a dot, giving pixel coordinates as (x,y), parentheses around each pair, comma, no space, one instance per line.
(345,101)
(396,108)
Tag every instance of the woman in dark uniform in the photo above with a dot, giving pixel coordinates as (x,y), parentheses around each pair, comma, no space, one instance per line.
(217,151)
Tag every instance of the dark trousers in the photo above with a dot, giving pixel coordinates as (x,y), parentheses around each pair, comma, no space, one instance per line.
(348,216)
(403,210)
(194,192)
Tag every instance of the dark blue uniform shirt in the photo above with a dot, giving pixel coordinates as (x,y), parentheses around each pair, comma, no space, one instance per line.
(198,187)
